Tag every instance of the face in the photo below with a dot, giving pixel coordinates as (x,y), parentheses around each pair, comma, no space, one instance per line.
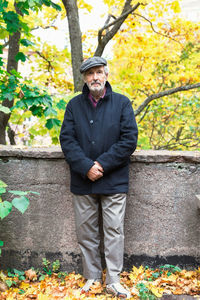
(95,78)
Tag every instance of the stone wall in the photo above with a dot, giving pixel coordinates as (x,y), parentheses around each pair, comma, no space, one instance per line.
(162,223)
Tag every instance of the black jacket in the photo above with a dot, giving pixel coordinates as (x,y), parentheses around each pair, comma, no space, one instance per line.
(107,134)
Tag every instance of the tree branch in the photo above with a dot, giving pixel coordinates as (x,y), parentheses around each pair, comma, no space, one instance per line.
(107,25)
(144,114)
(165,93)
(103,40)
(5,44)
(44,27)
(50,67)
(165,35)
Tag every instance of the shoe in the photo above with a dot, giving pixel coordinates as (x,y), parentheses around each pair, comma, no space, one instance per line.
(118,290)
(89,284)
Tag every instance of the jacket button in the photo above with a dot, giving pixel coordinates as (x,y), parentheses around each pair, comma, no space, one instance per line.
(91,121)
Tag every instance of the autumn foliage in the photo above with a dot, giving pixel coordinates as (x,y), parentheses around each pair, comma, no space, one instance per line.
(143,282)
(154,50)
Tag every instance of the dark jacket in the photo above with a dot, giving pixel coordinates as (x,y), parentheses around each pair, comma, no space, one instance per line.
(107,134)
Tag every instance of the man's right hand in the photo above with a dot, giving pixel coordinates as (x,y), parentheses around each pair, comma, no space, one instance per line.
(95,172)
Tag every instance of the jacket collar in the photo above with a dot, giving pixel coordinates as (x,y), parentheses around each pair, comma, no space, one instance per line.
(86,90)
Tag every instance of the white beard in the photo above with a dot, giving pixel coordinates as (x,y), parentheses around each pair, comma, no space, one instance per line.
(96,90)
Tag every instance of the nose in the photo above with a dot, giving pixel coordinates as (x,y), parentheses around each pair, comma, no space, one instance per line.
(95,76)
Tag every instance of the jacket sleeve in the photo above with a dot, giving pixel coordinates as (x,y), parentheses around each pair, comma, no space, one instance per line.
(120,151)
(74,154)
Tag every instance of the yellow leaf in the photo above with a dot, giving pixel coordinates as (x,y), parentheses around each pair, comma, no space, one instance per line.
(43,297)
(24,285)
(175,6)
(18,89)
(158,292)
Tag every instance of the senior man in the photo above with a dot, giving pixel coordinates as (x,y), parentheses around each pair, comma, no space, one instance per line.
(98,135)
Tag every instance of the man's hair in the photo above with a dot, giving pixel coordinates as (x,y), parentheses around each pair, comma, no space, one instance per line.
(106,70)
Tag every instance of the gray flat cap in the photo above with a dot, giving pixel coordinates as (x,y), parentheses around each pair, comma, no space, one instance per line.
(92,62)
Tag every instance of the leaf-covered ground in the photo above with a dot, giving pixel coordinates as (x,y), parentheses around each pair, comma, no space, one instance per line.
(143,282)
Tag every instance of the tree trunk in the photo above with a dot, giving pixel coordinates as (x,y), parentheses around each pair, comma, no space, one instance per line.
(11,64)
(75,41)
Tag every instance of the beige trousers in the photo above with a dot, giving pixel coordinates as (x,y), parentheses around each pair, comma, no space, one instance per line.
(86,208)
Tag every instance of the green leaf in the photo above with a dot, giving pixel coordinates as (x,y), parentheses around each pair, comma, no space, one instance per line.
(18,272)
(26,42)
(42,277)
(177,269)
(5,209)
(50,111)
(2,190)
(12,21)
(21,203)
(23,9)
(2,184)
(36,193)
(9,282)
(8,96)
(55,140)
(4,109)
(25,28)
(56,6)
(20,56)
(37,110)
(52,123)
(11,274)
(61,104)
(2,5)
(155,275)
(18,193)
(21,292)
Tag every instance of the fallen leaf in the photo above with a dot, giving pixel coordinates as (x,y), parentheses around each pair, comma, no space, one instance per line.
(31,275)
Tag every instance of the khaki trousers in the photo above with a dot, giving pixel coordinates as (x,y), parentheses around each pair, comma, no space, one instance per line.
(86,208)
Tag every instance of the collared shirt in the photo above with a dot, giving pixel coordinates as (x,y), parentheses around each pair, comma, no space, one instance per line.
(94,102)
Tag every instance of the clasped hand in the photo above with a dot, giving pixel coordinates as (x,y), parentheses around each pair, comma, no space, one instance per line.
(95,172)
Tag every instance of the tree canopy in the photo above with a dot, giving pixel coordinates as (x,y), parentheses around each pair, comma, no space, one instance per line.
(154,60)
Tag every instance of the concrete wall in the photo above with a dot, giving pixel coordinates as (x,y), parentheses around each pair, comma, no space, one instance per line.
(162,223)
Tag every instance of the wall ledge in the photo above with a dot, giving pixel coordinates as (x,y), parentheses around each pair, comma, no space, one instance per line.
(148,156)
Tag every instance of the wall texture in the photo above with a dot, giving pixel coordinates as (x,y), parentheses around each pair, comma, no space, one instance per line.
(162,223)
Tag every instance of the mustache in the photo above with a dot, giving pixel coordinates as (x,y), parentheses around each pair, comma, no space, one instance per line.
(94,82)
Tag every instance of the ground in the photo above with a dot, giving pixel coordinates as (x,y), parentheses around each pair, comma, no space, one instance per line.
(167,283)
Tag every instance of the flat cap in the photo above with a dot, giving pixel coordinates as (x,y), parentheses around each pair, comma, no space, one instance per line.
(92,62)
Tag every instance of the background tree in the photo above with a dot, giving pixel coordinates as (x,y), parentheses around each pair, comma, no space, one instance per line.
(154,54)
(12,18)
(160,63)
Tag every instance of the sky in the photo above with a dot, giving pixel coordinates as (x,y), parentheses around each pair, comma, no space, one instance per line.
(96,19)
(93,20)
(191,9)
